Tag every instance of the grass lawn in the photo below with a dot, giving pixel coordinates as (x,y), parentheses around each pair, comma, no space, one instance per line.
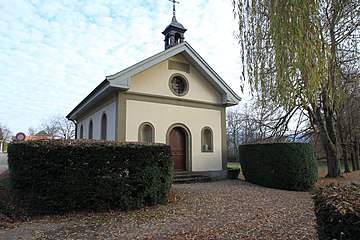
(322,166)
(233,165)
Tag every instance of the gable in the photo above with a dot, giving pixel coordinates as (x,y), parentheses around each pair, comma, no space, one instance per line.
(156,81)
(122,79)
(206,84)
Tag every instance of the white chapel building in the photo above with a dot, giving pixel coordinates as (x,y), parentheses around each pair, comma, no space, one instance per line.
(173,97)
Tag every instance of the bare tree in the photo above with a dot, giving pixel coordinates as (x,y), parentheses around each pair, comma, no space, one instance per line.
(5,133)
(59,127)
(348,126)
(260,120)
(234,121)
(353,119)
(32,131)
(66,128)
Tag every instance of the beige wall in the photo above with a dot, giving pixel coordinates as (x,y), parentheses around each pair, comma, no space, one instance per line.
(155,80)
(150,99)
(162,116)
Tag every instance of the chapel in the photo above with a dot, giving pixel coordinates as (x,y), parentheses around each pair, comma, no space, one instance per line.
(173,97)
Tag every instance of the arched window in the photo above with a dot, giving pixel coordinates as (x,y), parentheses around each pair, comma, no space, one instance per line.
(177,38)
(207,140)
(146,132)
(103,126)
(91,129)
(81,132)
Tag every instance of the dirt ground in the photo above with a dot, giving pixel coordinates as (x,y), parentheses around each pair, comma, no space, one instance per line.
(231,209)
(346,178)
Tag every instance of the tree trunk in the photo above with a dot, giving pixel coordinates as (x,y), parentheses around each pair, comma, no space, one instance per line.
(356,155)
(346,160)
(332,157)
(340,127)
(353,159)
(235,145)
(333,163)
(328,138)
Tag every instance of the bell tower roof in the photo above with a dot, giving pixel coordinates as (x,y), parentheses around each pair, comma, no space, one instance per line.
(174,32)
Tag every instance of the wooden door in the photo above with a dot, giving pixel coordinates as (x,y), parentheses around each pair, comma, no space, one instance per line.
(178,148)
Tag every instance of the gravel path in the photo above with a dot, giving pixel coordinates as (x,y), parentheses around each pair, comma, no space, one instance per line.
(230,209)
(3,162)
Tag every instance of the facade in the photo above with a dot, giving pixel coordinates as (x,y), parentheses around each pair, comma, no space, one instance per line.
(173,97)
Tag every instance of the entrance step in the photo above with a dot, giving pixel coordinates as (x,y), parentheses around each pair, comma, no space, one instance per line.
(187,177)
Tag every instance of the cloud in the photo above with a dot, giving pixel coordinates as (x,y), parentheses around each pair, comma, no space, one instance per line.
(53,53)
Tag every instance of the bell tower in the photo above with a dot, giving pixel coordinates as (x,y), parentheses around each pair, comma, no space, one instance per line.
(174,32)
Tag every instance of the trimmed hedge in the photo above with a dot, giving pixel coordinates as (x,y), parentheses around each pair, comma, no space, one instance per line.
(338,212)
(290,166)
(54,177)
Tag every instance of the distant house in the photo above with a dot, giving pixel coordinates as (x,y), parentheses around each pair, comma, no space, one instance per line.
(173,97)
(39,136)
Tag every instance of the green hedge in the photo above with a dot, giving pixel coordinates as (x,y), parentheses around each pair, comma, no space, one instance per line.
(290,166)
(61,176)
(338,212)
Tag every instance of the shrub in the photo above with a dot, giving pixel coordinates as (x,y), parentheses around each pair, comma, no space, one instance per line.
(338,212)
(290,166)
(60,176)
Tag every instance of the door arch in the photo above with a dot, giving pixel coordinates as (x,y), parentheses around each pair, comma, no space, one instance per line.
(179,139)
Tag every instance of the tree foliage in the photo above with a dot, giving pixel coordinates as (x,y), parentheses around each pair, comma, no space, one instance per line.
(297,52)
(287,51)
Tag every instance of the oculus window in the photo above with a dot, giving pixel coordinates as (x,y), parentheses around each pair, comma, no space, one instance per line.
(178,85)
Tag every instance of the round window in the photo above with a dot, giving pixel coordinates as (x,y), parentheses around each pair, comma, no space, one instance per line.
(178,85)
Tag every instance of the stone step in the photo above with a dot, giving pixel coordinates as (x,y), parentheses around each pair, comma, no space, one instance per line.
(186,177)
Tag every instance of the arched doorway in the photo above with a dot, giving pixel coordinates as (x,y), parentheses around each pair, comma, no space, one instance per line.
(177,142)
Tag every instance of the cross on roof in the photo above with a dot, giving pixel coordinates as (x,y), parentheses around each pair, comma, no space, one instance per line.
(174,1)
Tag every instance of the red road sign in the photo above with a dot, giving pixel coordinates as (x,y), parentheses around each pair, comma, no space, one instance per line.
(20,136)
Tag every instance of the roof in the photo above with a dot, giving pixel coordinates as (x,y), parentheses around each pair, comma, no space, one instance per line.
(121,80)
(174,25)
(42,133)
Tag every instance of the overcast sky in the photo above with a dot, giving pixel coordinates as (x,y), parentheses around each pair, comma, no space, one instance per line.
(53,53)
